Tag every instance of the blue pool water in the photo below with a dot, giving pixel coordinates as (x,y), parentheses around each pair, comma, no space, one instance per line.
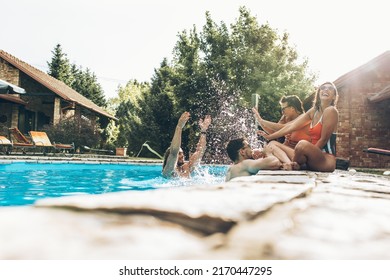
(23,183)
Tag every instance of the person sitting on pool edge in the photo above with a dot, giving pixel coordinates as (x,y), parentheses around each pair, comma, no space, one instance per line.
(174,164)
(292,108)
(319,154)
(244,161)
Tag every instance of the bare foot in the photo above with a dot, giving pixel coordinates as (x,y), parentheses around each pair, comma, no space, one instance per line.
(295,166)
(286,166)
(291,166)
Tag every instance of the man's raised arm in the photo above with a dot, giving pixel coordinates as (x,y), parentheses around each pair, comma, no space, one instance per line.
(174,149)
(196,157)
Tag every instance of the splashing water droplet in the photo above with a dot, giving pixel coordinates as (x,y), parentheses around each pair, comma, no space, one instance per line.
(232,120)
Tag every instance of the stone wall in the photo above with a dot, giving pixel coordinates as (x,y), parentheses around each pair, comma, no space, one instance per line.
(42,101)
(6,114)
(8,72)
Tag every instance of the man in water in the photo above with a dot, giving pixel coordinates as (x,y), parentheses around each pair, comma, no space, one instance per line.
(174,162)
(246,161)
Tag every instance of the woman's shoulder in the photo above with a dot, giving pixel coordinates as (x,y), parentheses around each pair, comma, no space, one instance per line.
(331,110)
(330,115)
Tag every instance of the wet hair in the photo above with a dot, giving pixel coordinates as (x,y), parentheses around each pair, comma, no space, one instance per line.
(317,100)
(293,101)
(233,147)
(166,155)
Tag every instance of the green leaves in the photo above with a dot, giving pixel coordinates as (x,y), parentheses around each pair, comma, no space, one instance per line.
(83,81)
(59,67)
(214,71)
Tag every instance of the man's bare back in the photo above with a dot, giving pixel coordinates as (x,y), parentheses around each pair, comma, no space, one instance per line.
(240,152)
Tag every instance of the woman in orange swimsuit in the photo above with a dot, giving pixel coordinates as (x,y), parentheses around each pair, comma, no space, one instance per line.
(292,108)
(318,154)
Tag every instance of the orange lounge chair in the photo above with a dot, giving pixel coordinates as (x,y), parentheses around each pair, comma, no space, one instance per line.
(19,140)
(40,139)
(6,144)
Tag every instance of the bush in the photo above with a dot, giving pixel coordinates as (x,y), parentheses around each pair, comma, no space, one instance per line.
(81,132)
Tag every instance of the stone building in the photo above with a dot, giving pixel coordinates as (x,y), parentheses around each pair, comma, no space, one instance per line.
(46,100)
(364,107)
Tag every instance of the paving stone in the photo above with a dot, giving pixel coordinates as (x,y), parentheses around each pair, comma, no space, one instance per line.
(272,215)
(208,210)
(327,224)
(33,233)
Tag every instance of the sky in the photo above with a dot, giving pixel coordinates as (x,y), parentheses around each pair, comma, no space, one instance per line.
(121,40)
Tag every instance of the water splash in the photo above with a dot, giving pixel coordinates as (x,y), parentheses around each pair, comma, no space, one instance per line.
(204,175)
(232,118)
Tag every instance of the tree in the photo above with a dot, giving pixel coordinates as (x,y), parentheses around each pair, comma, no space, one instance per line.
(135,127)
(85,83)
(215,72)
(59,67)
(249,59)
(219,70)
(163,104)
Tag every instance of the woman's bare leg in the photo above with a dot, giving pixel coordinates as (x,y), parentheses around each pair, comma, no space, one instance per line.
(288,150)
(282,152)
(313,157)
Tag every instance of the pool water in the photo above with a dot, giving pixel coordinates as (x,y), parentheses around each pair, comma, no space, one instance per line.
(24,183)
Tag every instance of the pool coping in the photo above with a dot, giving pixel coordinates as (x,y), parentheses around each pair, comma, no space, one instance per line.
(271,215)
(85,159)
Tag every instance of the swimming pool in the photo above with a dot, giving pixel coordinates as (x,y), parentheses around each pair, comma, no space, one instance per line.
(23,183)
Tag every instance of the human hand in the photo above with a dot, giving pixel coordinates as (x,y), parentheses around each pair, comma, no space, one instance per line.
(258,153)
(256,114)
(263,134)
(183,119)
(204,124)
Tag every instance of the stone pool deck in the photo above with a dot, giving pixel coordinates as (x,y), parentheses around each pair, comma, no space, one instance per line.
(272,215)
